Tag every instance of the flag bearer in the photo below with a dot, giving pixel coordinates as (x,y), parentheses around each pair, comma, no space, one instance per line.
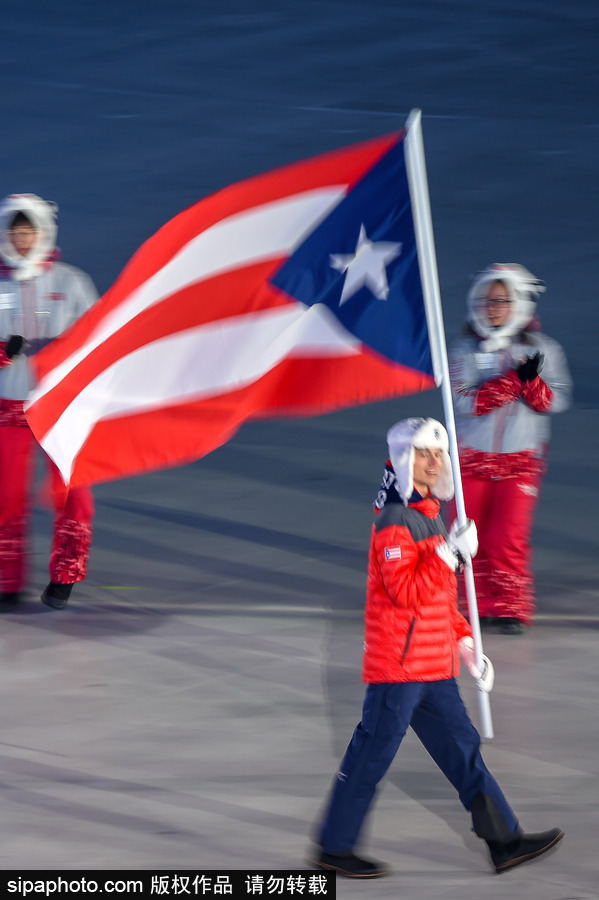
(414,639)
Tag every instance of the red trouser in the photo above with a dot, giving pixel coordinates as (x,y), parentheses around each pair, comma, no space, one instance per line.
(73,514)
(503,510)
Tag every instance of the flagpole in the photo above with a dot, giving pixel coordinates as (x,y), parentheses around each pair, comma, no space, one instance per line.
(417,179)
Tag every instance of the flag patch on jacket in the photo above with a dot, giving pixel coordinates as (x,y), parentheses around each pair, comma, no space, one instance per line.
(393,552)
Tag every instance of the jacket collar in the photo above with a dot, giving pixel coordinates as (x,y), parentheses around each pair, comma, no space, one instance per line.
(428,506)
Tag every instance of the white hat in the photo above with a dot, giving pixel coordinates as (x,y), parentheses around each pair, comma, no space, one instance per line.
(524,289)
(42,215)
(424,434)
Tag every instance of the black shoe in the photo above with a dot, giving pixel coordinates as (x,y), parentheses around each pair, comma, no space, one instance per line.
(487,622)
(56,595)
(349,865)
(510,626)
(9,600)
(522,848)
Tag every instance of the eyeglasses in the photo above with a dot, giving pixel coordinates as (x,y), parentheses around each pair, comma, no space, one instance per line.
(498,300)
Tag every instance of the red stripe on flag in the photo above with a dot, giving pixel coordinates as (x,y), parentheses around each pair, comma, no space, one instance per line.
(193,306)
(303,383)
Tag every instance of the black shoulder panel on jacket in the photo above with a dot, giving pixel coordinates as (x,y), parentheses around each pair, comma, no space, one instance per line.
(419,525)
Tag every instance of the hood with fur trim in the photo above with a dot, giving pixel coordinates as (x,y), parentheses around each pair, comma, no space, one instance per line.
(524,290)
(42,216)
(425,434)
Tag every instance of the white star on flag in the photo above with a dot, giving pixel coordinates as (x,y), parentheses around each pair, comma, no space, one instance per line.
(367,267)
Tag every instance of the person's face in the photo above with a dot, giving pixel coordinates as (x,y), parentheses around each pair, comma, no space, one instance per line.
(427,466)
(498,305)
(23,238)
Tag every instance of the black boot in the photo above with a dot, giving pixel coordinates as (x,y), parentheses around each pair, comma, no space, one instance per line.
(509,625)
(522,848)
(508,849)
(349,865)
(488,822)
(9,600)
(56,595)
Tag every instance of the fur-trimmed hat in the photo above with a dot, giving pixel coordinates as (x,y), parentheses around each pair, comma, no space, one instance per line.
(42,215)
(425,434)
(523,288)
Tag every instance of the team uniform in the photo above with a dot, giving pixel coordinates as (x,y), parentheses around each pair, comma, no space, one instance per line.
(503,426)
(414,638)
(411,662)
(40,296)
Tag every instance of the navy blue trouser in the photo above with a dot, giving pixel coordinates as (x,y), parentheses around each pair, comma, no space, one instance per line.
(436,712)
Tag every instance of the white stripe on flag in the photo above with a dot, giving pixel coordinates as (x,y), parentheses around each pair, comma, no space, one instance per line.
(268,231)
(232,353)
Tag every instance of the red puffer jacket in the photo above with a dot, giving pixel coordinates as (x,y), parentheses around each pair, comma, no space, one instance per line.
(412,619)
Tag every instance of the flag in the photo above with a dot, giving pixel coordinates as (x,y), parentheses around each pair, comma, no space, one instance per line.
(293,293)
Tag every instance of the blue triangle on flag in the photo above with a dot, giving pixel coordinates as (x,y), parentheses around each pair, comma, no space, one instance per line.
(383,308)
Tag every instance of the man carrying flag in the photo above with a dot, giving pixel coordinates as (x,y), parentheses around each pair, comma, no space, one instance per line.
(414,639)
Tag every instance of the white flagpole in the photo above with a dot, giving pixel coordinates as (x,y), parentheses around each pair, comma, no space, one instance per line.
(417,180)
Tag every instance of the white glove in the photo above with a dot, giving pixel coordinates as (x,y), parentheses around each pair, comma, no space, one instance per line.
(463,541)
(486,678)
(449,556)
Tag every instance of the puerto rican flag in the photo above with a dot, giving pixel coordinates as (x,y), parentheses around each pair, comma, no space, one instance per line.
(293,293)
